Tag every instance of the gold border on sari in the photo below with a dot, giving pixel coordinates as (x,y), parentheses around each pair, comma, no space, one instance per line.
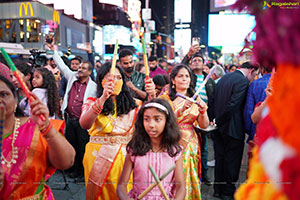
(30,156)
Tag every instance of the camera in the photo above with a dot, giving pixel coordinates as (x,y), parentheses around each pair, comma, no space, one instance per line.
(37,59)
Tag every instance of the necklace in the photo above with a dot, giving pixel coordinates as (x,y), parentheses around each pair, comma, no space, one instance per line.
(158,150)
(14,149)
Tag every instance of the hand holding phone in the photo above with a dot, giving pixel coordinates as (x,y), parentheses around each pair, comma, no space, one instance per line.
(49,40)
(49,37)
(81,46)
(195,40)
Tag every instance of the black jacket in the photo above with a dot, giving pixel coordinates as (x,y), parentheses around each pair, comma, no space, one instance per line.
(227,102)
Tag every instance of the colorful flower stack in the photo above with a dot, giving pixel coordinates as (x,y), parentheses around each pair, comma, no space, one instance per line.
(275,167)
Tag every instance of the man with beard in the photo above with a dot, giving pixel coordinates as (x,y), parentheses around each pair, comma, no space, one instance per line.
(135,81)
(155,68)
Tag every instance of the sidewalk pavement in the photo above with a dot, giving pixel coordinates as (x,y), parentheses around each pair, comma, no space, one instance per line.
(72,190)
(207,191)
(66,189)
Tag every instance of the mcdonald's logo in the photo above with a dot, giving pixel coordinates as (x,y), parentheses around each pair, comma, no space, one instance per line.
(55,16)
(25,9)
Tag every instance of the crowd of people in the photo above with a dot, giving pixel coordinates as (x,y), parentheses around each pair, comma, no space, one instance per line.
(106,128)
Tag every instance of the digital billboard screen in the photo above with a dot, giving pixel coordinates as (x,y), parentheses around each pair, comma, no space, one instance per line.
(229,29)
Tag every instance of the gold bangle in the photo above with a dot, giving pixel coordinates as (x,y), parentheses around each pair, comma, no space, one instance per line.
(179,112)
(96,107)
(46,131)
(44,127)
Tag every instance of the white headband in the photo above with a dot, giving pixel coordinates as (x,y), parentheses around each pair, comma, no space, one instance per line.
(157,105)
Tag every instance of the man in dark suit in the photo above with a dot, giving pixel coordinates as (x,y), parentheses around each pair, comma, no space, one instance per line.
(226,107)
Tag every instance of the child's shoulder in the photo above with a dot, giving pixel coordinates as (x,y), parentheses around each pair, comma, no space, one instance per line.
(179,153)
(39,91)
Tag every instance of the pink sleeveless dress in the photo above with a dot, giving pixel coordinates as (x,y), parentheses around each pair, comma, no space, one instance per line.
(142,177)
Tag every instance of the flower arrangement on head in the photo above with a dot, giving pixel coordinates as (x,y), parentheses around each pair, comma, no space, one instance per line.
(275,167)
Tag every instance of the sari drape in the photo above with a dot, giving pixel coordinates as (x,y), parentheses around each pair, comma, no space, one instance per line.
(26,178)
(192,150)
(105,153)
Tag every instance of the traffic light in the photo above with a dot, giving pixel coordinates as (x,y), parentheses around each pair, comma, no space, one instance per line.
(141,35)
(158,39)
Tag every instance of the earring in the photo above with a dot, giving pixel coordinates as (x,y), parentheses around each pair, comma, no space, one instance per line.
(15,108)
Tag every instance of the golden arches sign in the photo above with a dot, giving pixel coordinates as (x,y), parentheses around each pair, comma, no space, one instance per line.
(25,9)
(55,16)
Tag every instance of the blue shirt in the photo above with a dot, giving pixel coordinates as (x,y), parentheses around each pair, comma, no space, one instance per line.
(256,94)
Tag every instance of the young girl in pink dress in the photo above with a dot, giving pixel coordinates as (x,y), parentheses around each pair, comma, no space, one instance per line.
(155,142)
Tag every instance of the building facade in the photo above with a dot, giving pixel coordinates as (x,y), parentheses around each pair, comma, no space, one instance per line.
(29,22)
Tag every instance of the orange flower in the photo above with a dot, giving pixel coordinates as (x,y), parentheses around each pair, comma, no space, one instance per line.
(284,105)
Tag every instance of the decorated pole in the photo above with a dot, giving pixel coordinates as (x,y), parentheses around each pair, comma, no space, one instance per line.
(2,118)
(155,184)
(193,99)
(114,61)
(19,78)
(147,73)
(187,98)
(158,183)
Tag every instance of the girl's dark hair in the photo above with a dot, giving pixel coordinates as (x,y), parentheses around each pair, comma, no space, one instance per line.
(125,102)
(140,143)
(49,83)
(19,112)
(174,72)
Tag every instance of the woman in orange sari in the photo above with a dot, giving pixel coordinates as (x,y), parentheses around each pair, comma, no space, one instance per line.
(110,118)
(188,115)
(31,151)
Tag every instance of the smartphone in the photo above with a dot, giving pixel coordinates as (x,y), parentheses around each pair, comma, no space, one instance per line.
(49,37)
(81,46)
(196,40)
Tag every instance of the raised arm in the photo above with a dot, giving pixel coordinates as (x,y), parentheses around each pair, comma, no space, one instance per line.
(193,50)
(90,110)
(61,154)
(256,115)
(65,70)
(150,88)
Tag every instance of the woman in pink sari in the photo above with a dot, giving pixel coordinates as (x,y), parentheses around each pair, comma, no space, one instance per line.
(31,150)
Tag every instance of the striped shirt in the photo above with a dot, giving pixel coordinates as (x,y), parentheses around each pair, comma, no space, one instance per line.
(202,94)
